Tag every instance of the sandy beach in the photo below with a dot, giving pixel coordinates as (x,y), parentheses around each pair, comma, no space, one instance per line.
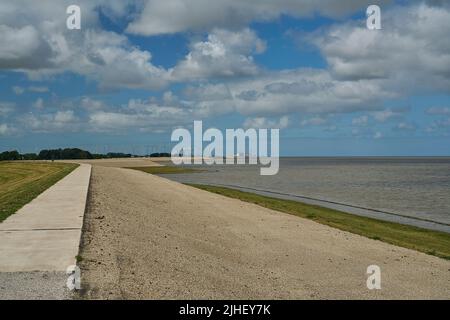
(145,237)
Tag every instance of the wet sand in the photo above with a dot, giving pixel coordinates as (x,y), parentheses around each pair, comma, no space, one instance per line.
(146,237)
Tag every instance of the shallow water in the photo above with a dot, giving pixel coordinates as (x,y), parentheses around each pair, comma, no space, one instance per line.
(415,187)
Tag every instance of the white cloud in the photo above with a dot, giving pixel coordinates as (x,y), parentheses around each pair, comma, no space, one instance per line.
(365,67)
(23,48)
(301,90)
(140,115)
(92,104)
(114,63)
(387,114)
(223,54)
(37,42)
(410,54)
(60,121)
(6,129)
(265,123)
(169,98)
(67,116)
(39,103)
(378,135)
(405,126)
(97,116)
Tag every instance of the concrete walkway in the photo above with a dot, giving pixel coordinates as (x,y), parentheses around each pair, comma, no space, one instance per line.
(45,234)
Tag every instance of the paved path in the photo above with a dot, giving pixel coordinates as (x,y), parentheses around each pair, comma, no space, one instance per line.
(149,237)
(44,235)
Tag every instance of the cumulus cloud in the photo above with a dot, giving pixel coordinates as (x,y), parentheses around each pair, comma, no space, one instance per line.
(315,92)
(40,45)
(140,115)
(113,62)
(223,54)
(60,121)
(270,93)
(23,48)
(365,68)
(172,16)
(96,116)
(410,54)
(37,42)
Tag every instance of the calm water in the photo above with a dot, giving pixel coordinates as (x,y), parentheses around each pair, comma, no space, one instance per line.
(415,187)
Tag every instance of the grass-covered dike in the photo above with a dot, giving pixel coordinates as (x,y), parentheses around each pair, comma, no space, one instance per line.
(428,241)
(21,182)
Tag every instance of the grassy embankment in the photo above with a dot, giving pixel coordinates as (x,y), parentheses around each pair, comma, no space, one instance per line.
(21,182)
(165,170)
(427,241)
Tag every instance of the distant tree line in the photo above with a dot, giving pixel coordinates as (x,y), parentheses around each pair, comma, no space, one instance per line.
(115,155)
(159,155)
(66,154)
(10,155)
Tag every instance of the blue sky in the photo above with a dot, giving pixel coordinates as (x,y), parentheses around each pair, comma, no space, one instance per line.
(138,69)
